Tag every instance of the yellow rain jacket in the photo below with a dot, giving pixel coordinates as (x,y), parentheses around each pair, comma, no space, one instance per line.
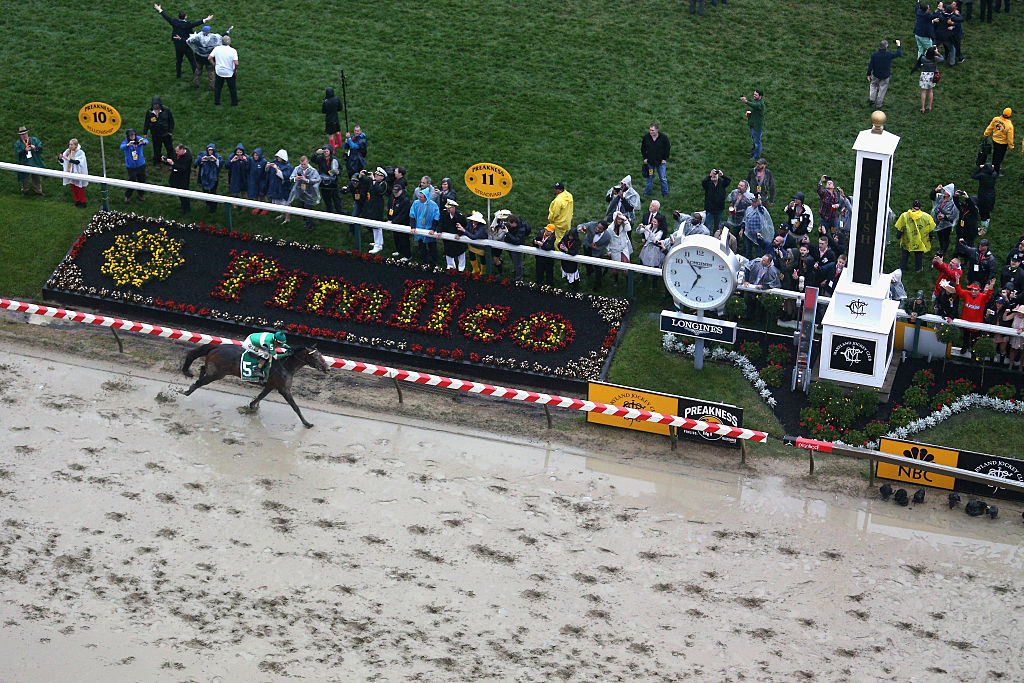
(560,213)
(915,228)
(1001,130)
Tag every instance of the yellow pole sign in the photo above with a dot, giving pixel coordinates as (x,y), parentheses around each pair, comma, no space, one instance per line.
(488,180)
(99,119)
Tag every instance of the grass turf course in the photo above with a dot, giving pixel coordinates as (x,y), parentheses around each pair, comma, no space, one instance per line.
(549,93)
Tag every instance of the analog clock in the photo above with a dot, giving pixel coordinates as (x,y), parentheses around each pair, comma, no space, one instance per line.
(700,271)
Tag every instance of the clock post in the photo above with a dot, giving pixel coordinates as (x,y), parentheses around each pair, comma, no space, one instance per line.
(700,273)
(858,328)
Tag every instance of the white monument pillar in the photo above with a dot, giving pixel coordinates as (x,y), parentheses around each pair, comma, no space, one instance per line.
(858,328)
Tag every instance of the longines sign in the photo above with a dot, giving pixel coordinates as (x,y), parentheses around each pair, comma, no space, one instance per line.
(692,326)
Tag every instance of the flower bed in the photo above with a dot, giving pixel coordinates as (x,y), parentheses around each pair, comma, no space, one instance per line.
(344,297)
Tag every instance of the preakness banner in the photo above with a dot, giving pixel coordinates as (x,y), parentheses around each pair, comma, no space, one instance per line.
(995,466)
(695,409)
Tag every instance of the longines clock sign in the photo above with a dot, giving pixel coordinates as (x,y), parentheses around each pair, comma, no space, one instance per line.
(701,328)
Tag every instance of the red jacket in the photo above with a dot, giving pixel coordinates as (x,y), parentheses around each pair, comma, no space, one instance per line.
(947,273)
(974,303)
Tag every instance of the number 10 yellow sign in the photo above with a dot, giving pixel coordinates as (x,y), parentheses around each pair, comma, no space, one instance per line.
(488,180)
(99,118)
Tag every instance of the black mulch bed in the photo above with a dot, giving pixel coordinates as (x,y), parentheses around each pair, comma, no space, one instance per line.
(790,403)
(231,278)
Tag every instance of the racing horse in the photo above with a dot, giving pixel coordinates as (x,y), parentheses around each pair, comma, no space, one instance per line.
(223,360)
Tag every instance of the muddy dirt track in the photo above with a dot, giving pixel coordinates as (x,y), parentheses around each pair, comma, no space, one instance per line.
(147,536)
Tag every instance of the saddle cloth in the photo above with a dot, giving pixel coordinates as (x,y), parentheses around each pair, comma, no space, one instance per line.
(249,368)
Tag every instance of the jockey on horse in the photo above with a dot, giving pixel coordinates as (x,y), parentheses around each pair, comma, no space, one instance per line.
(267,346)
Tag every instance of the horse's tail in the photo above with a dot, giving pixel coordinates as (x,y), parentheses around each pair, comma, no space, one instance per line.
(193,355)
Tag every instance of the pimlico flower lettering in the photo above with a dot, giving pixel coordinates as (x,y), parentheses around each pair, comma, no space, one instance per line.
(261,282)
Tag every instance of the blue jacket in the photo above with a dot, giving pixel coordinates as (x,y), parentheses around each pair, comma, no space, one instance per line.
(238,171)
(209,171)
(279,188)
(257,174)
(355,154)
(140,159)
(880,65)
(424,215)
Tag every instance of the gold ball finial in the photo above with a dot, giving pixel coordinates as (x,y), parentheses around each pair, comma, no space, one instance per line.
(878,119)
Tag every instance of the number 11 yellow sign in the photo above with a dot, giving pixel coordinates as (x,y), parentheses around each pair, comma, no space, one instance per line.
(488,180)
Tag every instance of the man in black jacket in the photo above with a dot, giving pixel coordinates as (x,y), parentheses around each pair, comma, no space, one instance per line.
(181,173)
(654,149)
(181,28)
(716,187)
(398,213)
(159,124)
(518,229)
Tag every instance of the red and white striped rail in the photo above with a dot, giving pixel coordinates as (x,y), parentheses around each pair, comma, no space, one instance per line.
(404,375)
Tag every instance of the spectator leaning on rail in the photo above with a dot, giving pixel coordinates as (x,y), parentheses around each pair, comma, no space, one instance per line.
(279,174)
(73,161)
(424,215)
(975,299)
(398,213)
(209,165)
(257,181)
(595,238)
(181,174)
(305,189)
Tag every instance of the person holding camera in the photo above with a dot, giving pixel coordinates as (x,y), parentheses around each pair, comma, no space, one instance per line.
(329,169)
(305,188)
(238,173)
(624,198)
(716,187)
(355,151)
(945,213)
(209,164)
(828,212)
(545,240)
(801,219)
(134,162)
(928,63)
(655,149)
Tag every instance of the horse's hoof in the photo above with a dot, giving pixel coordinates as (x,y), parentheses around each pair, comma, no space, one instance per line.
(307,425)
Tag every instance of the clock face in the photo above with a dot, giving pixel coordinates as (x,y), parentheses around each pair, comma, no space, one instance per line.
(698,274)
